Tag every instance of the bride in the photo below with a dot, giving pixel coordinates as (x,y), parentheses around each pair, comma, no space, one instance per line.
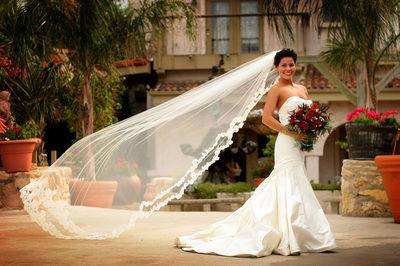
(283,216)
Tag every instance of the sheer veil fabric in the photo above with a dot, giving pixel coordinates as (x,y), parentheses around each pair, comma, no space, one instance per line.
(153,156)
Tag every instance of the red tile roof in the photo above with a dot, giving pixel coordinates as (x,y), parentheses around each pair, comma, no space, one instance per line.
(180,86)
(132,62)
(316,81)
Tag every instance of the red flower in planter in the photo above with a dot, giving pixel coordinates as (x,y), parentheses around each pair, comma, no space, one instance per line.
(390,113)
(374,115)
(367,116)
(26,131)
(16,130)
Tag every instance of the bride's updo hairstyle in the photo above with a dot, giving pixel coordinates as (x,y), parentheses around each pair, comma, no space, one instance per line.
(284,53)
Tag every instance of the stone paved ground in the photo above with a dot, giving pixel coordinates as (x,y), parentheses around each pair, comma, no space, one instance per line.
(361,241)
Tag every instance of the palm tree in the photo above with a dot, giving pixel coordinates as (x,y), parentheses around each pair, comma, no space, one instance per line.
(362,33)
(94,32)
(35,94)
(368,30)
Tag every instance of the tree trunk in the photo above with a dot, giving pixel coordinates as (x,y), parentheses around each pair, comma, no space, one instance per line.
(87,126)
(361,91)
(87,105)
(369,67)
(370,101)
(42,126)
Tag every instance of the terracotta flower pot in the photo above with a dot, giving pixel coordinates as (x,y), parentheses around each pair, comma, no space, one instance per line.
(389,167)
(93,193)
(16,155)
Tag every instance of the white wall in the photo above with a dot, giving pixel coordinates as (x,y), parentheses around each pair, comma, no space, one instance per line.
(177,41)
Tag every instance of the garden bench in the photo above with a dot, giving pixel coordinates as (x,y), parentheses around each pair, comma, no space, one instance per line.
(234,202)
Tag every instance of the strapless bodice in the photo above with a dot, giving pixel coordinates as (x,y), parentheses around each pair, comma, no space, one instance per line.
(288,106)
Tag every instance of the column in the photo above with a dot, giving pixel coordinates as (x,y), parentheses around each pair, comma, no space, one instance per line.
(312,167)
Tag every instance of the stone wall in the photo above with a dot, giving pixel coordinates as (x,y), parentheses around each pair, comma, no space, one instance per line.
(11,183)
(363,193)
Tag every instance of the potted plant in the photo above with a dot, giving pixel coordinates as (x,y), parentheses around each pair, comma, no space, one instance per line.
(370,133)
(264,168)
(265,164)
(129,183)
(389,167)
(17,145)
(92,193)
(119,184)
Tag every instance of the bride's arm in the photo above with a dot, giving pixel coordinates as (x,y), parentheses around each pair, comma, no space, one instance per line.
(269,120)
(271,101)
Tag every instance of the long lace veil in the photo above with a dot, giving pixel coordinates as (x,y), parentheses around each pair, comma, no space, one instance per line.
(153,157)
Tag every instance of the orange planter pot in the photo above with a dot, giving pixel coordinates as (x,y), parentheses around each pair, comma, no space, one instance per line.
(92,193)
(389,167)
(16,155)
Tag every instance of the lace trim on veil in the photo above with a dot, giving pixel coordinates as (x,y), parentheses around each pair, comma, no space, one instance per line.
(48,209)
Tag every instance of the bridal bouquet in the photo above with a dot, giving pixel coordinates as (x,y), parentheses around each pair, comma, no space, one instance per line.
(311,120)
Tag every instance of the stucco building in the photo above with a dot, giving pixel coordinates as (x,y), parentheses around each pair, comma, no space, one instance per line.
(231,32)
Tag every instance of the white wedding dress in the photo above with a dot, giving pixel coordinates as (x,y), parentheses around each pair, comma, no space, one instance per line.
(283,216)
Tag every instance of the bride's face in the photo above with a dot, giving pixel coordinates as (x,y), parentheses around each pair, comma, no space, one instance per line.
(286,68)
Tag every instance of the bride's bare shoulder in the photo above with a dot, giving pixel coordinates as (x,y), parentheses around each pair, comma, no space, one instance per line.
(302,88)
(273,93)
(274,88)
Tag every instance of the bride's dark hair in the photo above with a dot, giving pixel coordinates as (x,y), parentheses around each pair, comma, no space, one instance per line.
(284,53)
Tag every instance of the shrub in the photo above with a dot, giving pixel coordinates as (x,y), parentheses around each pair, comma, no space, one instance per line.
(269,149)
(331,187)
(209,190)
(107,92)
